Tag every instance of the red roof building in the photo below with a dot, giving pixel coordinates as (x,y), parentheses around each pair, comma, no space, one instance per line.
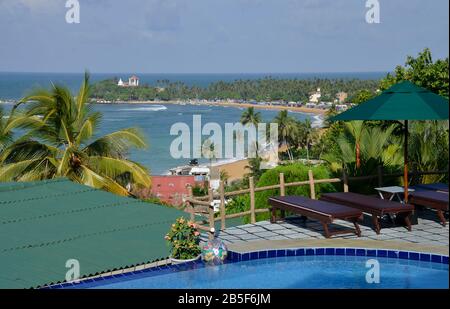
(172,189)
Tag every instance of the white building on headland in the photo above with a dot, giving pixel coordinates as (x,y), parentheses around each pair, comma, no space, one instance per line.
(133,81)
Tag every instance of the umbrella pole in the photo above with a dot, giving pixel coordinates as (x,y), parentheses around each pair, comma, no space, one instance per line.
(405,171)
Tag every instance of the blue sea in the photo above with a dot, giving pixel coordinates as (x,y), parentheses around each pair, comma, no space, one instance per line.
(155,121)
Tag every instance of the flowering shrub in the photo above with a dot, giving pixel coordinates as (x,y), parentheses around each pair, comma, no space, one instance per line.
(183,239)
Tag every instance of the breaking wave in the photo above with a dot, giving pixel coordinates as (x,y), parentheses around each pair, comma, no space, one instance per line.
(154,108)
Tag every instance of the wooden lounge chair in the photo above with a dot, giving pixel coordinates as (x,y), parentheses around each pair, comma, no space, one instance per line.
(432,199)
(375,206)
(322,211)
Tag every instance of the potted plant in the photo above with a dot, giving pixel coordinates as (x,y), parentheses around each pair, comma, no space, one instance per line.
(183,239)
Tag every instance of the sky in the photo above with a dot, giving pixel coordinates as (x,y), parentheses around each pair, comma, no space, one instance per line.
(218,36)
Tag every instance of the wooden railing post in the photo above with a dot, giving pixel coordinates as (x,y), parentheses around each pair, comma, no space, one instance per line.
(311,184)
(345,180)
(252,200)
(212,229)
(222,206)
(189,205)
(282,186)
(380,175)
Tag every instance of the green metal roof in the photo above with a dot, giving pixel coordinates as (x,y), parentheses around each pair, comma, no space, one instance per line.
(44,224)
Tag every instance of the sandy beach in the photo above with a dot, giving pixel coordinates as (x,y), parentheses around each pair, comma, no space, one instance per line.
(301,109)
(235,169)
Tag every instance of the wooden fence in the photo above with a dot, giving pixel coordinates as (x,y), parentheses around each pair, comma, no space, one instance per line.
(205,205)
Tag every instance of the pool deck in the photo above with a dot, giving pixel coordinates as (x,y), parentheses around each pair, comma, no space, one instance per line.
(426,236)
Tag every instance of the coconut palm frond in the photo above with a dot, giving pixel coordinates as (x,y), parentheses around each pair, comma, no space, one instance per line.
(10,172)
(250,117)
(117,143)
(27,150)
(95,180)
(114,168)
(83,95)
(87,128)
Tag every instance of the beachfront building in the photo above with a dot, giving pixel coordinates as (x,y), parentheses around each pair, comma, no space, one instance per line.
(321,105)
(173,189)
(200,173)
(341,107)
(315,97)
(133,81)
(341,97)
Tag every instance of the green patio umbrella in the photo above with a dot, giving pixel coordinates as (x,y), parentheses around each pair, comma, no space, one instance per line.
(402,102)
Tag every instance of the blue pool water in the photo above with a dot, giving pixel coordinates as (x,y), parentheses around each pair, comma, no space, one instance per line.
(291,272)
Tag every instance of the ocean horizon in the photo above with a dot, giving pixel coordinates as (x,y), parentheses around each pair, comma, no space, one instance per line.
(15,85)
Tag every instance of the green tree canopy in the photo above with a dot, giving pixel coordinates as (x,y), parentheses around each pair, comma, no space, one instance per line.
(422,71)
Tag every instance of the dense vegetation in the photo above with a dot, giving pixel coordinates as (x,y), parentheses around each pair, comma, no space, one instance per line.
(292,173)
(267,89)
(358,147)
(381,142)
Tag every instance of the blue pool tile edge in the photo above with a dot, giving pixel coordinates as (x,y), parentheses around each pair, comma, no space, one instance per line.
(234,257)
(367,252)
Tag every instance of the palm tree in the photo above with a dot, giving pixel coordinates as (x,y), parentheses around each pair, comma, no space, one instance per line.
(5,130)
(306,135)
(356,128)
(224,176)
(61,144)
(287,130)
(377,146)
(250,117)
(428,148)
(8,123)
(209,151)
(254,166)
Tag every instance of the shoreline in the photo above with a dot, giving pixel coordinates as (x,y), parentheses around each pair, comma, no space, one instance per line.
(302,109)
(306,110)
(235,168)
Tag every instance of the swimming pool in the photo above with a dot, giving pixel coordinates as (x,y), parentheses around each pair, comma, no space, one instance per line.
(308,268)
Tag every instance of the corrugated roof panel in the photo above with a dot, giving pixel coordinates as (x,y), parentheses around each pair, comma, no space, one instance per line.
(44,224)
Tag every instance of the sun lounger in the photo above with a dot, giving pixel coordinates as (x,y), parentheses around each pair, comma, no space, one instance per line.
(372,205)
(432,199)
(322,211)
(441,187)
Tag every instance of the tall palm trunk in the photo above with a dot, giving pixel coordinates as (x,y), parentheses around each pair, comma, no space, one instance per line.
(291,158)
(307,151)
(358,155)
